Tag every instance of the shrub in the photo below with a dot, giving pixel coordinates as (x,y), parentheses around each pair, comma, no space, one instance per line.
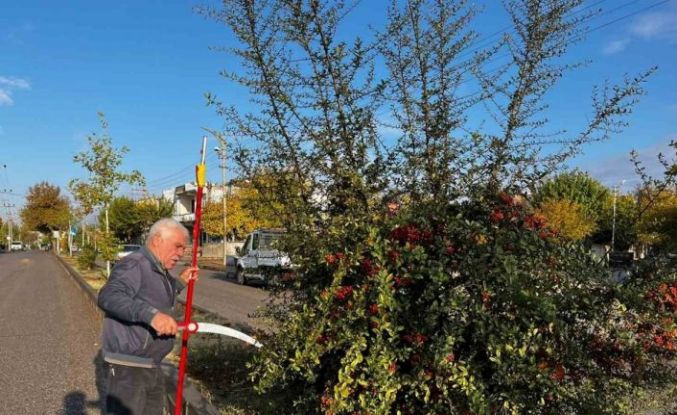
(468,308)
(87,257)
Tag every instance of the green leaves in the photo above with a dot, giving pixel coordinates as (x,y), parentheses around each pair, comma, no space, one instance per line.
(46,209)
(101,162)
(402,321)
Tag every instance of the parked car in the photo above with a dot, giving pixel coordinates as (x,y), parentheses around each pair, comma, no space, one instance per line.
(16,246)
(260,260)
(126,250)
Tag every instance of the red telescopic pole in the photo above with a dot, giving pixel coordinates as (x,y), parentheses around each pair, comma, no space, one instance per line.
(200,174)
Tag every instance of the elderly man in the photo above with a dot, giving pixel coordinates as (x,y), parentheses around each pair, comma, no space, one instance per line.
(138,330)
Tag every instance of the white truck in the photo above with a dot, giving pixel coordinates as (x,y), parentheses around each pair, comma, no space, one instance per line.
(260,260)
(16,246)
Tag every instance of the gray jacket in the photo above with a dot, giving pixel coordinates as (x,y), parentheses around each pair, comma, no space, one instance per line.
(137,289)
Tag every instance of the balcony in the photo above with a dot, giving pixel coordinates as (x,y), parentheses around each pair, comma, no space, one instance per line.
(185,217)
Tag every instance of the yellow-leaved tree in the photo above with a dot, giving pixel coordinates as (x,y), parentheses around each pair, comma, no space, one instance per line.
(658,226)
(569,218)
(242,215)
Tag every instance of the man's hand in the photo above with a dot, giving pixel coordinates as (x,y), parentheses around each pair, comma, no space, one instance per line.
(163,324)
(190,273)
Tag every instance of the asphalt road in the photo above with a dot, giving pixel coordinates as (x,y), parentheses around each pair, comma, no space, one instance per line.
(49,338)
(220,295)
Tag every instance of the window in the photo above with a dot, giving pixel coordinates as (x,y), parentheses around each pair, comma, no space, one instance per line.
(245,247)
(270,241)
(255,242)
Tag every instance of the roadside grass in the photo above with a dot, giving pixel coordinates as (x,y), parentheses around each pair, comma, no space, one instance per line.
(219,367)
(216,365)
(96,277)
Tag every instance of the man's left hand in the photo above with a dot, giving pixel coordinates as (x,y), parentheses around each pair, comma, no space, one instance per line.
(190,273)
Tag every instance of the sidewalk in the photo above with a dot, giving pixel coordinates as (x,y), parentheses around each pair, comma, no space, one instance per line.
(211,263)
(214,264)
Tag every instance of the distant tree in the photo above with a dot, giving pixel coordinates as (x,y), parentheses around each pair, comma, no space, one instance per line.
(46,209)
(245,212)
(568,217)
(576,186)
(654,219)
(623,227)
(152,209)
(124,219)
(102,162)
(130,219)
(658,226)
(212,218)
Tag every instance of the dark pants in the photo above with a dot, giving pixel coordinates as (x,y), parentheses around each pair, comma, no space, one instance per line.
(134,391)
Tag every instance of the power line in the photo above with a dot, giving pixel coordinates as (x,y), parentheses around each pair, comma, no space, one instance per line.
(628,15)
(180,178)
(586,32)
(485,42)
(182,172)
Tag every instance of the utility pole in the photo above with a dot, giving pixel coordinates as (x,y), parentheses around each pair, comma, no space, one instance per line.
(10,236)
(221,151)
(107,241)
(613,220)
(70,239)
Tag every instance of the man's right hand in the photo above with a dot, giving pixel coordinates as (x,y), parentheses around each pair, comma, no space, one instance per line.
(164,324)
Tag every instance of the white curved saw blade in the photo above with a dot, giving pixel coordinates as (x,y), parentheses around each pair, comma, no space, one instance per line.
(226,331)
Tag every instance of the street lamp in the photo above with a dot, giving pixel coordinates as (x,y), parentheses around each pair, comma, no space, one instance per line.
(613,221)
(221,152)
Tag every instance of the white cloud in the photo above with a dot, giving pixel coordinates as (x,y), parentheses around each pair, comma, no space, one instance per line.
(615,46)
(660,25)
(9,84)
(17,83)
(614,169)
(5,99)
(656,26)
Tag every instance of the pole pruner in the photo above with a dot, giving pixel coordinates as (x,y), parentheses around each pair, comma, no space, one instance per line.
(187,326)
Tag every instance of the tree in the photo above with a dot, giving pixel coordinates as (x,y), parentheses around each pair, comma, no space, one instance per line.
(658,226)
(568,217)
(46,209)
(577,187)
(124,219)
(623,226)
(102,162)
(130,220)
(245,214)
(153,209)
(420,289)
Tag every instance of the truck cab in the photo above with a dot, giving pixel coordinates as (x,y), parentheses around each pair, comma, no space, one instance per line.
(260,259)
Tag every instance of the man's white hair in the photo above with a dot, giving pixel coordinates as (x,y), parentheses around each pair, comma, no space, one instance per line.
(162,226)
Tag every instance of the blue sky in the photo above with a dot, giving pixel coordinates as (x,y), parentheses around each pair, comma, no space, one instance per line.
(147,64)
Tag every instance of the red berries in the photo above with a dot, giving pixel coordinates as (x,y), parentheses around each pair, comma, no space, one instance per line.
(496,216)
(506,199)
(415,339)
(343,292)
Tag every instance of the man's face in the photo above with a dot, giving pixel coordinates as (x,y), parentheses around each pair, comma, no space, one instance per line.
(168,246)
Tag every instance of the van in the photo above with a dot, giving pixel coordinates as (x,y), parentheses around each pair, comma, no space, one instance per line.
(260,259)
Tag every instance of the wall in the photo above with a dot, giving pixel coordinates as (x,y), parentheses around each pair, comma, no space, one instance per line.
(215,250)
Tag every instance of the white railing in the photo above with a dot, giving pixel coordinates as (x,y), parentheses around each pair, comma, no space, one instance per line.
(184,217)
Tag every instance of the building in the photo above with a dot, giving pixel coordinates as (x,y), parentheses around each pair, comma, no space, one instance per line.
(184,199)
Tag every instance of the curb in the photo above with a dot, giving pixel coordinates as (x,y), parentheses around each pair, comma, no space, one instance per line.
(193,401)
